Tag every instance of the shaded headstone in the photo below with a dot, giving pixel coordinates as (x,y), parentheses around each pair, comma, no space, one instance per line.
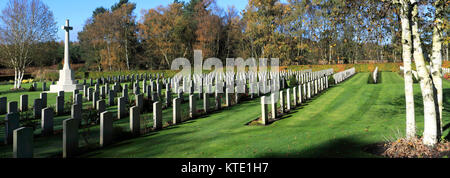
(111,97)
(61,93)
(192,106)
(79,98)
(74,95)
(60,105)
(3,101)
(12,107)
(139,99)
(157,115)
(136,89)
(23,142)
(70,137)
(95,98)
(144,86)
(238,93)
(176,110)
(122,108)
(125,92)
(11,123)
(106,128)
(90,94)
(37,107)
(304,94)
(23,103)
(308,95)
(47,121)
(294,93)
(103,92)
(288,99)
(135,121)
(101,106)
(282,102)
(168,95)
(85,91)
(158,92)
(76,110)
(218,101)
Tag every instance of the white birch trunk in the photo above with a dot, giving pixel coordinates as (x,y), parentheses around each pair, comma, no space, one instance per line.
(407,56)
(15,78)
(436,59)
(426,84)
(19,81)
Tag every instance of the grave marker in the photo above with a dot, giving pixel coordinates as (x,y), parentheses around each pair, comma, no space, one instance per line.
(135,121)
(23,142)
(47,121)
(106,128)
(70,137)
(157,115)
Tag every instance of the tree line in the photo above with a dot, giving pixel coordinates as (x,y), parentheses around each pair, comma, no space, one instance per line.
(297,32)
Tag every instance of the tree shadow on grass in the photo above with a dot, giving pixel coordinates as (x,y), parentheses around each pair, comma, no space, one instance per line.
(136,144)
(346,147)
(400,103)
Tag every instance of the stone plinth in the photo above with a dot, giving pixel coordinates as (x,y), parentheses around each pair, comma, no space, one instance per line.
(66,82)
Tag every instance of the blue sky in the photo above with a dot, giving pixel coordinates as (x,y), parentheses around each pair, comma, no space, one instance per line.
(78,11)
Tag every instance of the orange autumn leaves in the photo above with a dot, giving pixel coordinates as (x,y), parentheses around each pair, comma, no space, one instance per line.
(107,37)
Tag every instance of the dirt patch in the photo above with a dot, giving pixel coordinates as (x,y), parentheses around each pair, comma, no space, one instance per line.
(413,148)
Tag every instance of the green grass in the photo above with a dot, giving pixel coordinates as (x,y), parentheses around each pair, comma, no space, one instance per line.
(338,123)
(52,146)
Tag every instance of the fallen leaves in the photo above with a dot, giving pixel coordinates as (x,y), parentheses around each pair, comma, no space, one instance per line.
(414,148)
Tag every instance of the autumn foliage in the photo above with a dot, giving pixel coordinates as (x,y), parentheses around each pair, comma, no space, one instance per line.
(296,32)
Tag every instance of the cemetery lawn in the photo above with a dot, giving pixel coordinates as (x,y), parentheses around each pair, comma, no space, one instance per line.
(339,123)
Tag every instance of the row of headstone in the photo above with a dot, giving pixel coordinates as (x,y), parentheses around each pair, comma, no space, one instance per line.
(300,94)
(314,84)
(22,138)
(342,76)
(70,144)
(13,106)
(445,71)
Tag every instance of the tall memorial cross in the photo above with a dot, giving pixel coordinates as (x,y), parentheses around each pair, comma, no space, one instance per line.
(66,75)
(67,28)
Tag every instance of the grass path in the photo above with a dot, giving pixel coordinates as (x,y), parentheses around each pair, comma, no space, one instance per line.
(337,124)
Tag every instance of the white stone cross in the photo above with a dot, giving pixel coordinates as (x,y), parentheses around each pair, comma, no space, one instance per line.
(66,75)
(67,28)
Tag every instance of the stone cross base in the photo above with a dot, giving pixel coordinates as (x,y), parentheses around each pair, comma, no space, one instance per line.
(66,88)
(66,82)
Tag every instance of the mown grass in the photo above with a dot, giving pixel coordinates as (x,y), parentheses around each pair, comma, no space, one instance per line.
(52,146)
(338,123)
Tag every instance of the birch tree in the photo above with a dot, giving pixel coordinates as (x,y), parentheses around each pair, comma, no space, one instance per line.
(405,17)
(436,59)
(430,134)
(24,23)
